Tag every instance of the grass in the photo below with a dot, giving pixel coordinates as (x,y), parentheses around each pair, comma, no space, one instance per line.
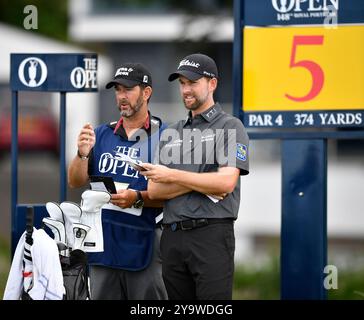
(257,284)
(350,286)
(4,264)
(264,284)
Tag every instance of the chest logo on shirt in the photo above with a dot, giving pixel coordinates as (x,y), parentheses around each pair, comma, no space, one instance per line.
(192,136)
(241,151)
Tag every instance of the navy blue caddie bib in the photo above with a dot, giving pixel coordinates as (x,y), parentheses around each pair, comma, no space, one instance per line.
(128,239)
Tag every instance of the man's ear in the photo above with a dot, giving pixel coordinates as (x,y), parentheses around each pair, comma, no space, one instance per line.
(213,84)
(147,92)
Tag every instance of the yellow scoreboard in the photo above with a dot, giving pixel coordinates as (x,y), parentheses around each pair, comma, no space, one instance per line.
(297,72)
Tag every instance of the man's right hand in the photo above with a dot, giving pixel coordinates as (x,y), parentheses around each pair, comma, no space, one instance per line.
(86,139)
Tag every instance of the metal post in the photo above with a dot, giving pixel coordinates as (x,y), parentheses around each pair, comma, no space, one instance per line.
(304,225)
(237,59)
(62,148)
(14,163)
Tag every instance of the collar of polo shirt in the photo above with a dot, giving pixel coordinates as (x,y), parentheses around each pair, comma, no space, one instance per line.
(208,114)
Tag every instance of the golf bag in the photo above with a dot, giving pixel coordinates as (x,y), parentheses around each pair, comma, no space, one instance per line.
(75,278)
(69,235)
(44,268)
(77,229)
(59,262)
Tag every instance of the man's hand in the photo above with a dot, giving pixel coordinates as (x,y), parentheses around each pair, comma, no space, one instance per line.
(158,173)
(77,170)
(124,198)
(86,140)
(219,197)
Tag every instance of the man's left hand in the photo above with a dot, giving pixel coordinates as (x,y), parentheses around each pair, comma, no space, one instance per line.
(158,173)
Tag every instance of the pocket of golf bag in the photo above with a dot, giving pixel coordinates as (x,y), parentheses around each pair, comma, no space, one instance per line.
(75,279)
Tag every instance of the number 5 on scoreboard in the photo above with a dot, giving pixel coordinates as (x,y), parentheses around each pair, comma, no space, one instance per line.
(315,70)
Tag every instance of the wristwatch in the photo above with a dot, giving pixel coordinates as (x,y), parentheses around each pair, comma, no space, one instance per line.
(81,156)
(139,202)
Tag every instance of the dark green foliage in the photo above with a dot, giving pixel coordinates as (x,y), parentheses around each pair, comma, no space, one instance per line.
(52,16)
(254,284)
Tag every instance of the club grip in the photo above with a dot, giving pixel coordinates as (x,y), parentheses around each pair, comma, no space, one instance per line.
(29,225)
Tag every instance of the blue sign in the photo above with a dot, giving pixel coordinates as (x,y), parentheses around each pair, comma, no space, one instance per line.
(54,72)
(302,12)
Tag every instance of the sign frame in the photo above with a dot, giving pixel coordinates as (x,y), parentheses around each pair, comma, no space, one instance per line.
(54,72)
(304,190)
(36,75)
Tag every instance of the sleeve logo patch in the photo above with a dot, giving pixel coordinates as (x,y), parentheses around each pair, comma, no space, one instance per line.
(241,151)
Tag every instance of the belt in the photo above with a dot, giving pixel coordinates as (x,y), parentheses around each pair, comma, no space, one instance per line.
(195,223)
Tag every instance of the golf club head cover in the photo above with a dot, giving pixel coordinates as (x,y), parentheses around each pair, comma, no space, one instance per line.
(57,227)
(80,232)
(91,204)
(55,211)
(72,214)
(56,214)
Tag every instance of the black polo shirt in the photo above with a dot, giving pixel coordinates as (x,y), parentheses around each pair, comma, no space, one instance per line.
(204,143)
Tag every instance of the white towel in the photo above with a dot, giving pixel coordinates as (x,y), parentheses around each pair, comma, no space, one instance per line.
(14,285)
(47,271)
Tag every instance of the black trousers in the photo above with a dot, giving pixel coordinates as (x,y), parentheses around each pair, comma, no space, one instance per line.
(199,263)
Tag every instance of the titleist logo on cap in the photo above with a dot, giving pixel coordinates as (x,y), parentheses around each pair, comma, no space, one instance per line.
(186,62)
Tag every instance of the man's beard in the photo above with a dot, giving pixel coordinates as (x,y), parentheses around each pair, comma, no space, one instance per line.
(197,104)
(133,109)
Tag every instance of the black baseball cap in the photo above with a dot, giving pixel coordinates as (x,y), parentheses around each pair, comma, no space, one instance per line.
(130,75)
(195,66)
